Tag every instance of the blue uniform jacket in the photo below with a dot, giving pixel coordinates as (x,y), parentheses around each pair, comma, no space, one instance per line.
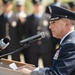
(64,59)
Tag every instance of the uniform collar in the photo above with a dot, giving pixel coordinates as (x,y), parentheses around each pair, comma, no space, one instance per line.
(39,15)
(65,36)
(9,14)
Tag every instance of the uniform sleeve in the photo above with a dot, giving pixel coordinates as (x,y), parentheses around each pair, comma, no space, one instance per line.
(65,63)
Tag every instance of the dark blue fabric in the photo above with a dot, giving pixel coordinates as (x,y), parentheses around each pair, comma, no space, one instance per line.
(61,13)
(65,63)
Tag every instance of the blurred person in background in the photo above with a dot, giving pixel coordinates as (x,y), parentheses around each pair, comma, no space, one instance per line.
(55,3)
(65,5)
(72,6)
(36,23)
(20,10)
(21,16)
(8,27)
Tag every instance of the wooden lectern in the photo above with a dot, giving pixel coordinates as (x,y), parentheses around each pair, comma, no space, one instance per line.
(5,70)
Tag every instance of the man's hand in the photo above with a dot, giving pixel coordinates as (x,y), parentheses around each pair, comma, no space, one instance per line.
(38,71)
(25,70)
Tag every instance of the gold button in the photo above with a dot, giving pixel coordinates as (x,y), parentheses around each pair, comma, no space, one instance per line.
(14,24)
(45,23)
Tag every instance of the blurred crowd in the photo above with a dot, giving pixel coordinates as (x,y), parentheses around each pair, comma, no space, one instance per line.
(19,25)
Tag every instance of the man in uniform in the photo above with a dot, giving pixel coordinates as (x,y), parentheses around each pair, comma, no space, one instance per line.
(8,23)
(20,10)
(36,23)
(21,16)
(62,23)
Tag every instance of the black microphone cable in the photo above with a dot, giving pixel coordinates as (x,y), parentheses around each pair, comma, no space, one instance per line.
(10,53)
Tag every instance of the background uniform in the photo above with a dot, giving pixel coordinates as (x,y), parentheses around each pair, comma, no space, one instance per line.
(21,15)
(35,24)
(41,48)
(8,27)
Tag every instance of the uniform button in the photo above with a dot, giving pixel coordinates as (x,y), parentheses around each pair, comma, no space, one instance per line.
(38,28)
(39,42)
(14,24)
(45,23)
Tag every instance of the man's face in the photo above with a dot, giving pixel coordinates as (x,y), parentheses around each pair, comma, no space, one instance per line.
(58,28)
(20,8)
(37,8)
(7,7)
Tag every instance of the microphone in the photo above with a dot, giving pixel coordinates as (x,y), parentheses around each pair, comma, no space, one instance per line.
(4,42)
(33,38)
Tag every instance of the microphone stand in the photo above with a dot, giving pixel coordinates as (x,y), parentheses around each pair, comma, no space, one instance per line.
(24,46)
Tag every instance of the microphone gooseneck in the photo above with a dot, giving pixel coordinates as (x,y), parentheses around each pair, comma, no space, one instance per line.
(33,38)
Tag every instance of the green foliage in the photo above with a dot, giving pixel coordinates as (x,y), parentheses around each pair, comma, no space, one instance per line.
(28,7)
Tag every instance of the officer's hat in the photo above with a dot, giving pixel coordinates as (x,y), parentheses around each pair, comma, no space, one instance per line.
(19,2)
(36,1)
(60,12)
(7,1)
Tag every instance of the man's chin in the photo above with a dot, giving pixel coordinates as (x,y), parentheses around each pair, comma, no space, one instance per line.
(55,36)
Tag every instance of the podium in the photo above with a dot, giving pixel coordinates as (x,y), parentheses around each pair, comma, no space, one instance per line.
(5,70)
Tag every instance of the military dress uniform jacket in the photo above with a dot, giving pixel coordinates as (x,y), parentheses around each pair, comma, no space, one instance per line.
(64,59)
(36,25)
(43,47)
(8,27)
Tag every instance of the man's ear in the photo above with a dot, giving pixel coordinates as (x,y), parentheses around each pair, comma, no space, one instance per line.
(68,22)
